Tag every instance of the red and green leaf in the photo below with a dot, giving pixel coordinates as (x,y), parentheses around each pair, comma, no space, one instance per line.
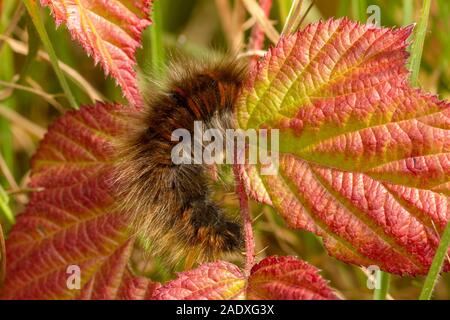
(110,32)
(287,278)
(74,220)
(211,281)
(364,158)
(272,278)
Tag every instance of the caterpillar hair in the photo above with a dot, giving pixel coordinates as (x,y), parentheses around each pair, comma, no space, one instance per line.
(171,205)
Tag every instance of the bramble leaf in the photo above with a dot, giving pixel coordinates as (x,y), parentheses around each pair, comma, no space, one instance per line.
(110,32)
(73,223)
(287,278)
(211,281)
(364,158)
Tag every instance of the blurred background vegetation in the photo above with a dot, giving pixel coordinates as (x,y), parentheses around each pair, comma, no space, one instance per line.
(31,98)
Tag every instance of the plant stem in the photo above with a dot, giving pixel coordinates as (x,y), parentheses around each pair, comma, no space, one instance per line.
(283,9)
(359,10)
(246,220)
(157,48)
(293,18)
(34,12)
(4,207)
(408,8)
(419,40)
(383,278)
(436,265)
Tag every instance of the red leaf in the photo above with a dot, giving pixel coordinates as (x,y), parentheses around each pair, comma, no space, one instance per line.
(211,281)
(364,158)
(287,278)
(110,31)
(73,221)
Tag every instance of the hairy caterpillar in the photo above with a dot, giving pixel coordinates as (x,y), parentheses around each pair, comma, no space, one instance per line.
(169,204)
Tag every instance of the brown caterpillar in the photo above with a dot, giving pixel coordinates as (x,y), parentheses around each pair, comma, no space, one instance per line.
(169,204)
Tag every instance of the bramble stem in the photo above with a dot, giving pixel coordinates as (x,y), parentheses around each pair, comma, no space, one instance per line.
(246,221)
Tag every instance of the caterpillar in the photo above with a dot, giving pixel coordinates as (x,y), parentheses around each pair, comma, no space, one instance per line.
(171,205)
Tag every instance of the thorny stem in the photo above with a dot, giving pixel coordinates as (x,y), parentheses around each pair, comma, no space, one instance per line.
(246,221)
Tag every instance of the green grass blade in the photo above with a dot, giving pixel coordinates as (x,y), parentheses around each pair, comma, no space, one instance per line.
(383,278)
(408,9)
(5,210)
(156,34)
(294,18)
(34,12)
(283,9)
(343,8)
(419,40)
(359,8)
(8,15)
(6,139)
(436,266)
(33,48)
